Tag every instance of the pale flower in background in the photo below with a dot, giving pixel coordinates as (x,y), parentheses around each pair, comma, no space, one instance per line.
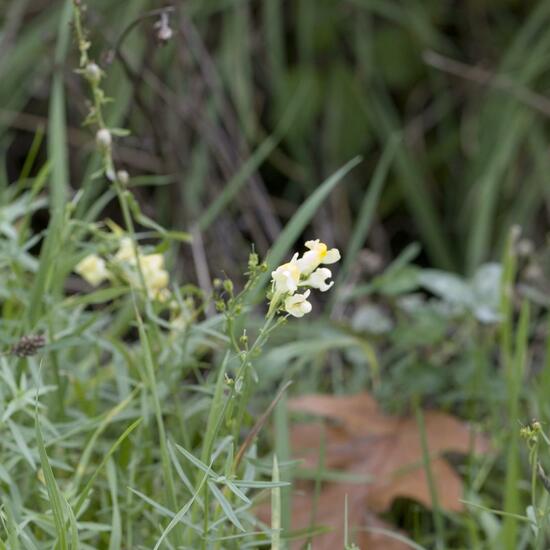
(125,251)
(155,276)
(92,269)
(297,304)
(286,277)
(317,254)
(318,279)
(151,263)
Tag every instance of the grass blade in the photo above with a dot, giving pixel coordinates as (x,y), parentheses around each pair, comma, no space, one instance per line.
(114,447)
(302,217)
(275,508)
(55,497)
(226,506)
(115,540)
(368,207)
(253,163)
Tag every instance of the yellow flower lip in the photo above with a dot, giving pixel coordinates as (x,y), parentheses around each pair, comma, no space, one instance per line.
(292,269)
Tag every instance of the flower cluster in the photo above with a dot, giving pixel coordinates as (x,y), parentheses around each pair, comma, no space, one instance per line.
(302,272)
(94,269)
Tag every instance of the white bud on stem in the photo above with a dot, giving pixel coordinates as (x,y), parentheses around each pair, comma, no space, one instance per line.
(103,138)
(123,177)
(92,73)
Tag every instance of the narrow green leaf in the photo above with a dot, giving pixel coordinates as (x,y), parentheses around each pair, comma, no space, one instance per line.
(369,204)
(57,120)
(194,460)
(275,508)
(114,447)
(55,497)
(115,540)
(225,505)
(183,511)
(216,412)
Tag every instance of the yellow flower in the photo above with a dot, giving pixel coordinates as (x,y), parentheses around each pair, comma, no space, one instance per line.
(286,277)
(297,304)
(92,269)
(317,254)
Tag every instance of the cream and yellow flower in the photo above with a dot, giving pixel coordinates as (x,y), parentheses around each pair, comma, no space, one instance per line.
(317,254)
(302,272)
(92,269)
(286,277)
(318,279)
(297,304)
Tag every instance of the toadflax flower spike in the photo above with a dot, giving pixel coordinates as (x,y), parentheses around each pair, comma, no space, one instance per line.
(301,272)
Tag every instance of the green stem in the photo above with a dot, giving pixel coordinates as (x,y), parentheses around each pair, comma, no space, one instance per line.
(437,517)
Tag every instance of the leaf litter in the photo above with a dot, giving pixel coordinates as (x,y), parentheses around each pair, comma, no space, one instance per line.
(383,451)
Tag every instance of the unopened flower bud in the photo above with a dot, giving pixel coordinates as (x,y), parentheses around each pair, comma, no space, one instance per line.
(103,138)
(123,177)
(228,286)
(92,73)
(525,247)
(164,33)
(253,261)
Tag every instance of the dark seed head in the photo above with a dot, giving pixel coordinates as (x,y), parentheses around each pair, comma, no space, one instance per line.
(28,345)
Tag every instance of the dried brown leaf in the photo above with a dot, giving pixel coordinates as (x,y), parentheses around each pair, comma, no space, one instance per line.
(360,438)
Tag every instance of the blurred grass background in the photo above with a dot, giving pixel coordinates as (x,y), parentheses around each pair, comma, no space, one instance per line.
(252,104)
(235,122)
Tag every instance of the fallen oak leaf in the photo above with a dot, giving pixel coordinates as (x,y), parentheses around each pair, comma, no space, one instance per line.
(413,484)
(360,415)
(330,513)
(350,411)
(363,440)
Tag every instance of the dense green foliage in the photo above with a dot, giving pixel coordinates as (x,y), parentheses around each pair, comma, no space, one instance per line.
(409,134)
